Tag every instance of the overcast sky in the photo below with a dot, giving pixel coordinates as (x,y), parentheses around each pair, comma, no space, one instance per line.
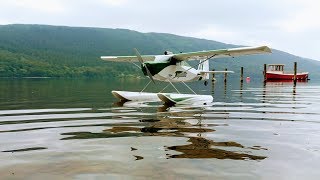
(289,25)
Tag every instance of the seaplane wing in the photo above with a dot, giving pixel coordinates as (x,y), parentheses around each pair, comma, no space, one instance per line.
(128,58)
(219,53)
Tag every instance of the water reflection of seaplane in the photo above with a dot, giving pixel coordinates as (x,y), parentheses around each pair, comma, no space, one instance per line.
(174,68)
(179,123)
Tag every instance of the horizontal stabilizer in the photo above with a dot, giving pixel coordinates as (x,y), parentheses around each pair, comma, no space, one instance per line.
(213,72)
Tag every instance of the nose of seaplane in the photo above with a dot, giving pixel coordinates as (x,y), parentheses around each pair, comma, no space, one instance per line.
(144,69)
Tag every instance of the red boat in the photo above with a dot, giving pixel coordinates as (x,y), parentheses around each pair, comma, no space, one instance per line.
(276,72)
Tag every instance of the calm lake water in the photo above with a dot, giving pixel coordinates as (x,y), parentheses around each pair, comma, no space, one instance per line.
(75,129)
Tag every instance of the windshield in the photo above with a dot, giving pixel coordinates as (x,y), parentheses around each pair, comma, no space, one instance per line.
(184,63)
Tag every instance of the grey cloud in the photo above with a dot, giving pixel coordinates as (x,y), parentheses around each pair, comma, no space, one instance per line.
(249,20)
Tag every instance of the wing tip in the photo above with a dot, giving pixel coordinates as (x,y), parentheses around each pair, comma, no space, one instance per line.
(108,58)
(266,49)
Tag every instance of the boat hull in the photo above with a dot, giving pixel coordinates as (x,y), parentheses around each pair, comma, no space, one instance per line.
(284,76)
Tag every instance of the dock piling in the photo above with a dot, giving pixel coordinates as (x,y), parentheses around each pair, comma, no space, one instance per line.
(213,75)
(295,72)
(265,72)
(241,74)
(225,75)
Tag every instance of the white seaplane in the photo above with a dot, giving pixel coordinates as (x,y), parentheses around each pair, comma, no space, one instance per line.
(173,68)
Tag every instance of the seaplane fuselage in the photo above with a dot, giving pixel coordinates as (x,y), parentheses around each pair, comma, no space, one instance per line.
(166,68)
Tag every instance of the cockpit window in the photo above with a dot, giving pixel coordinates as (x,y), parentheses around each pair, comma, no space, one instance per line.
(184,63)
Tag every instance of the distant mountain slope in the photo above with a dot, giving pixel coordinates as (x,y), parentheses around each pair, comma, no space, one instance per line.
(59,51)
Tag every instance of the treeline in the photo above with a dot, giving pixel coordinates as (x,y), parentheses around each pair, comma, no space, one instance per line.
(57,51)
(16,65)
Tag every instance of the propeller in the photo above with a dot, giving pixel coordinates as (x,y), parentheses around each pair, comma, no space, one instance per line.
(141,61)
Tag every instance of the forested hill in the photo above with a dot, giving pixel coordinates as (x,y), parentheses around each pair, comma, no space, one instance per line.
(59,51)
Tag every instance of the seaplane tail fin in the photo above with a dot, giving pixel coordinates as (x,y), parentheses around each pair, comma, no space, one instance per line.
(203,67)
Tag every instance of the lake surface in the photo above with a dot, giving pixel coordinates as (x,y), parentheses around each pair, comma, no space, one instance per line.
(75,129)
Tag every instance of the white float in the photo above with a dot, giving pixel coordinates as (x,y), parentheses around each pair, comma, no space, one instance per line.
(168,98)
(172,98)
(136,96)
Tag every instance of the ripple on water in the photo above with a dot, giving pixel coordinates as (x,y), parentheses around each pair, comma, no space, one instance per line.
(258,132)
